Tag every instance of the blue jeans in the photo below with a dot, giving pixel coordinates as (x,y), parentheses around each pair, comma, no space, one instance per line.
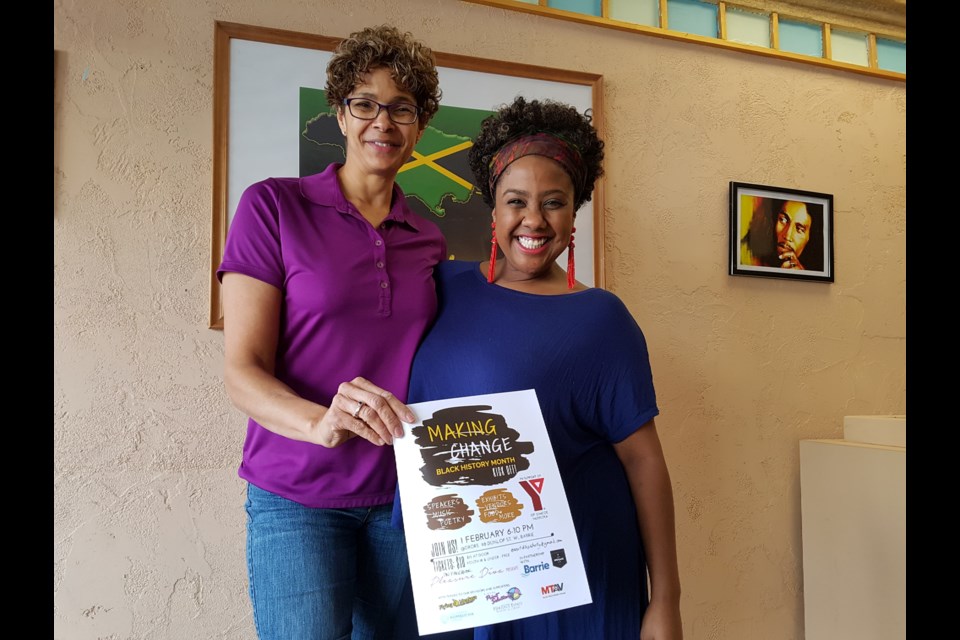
(323,574)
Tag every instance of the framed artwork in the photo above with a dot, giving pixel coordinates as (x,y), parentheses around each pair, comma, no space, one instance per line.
(271,119)
(777,232)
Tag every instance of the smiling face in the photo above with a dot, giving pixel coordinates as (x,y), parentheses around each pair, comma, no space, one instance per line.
(793,228)
(533,209)
(379,146)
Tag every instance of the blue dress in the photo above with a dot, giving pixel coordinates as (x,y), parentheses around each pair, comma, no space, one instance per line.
(587,359)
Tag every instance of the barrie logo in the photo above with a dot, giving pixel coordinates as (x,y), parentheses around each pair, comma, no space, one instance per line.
(559,558)
(533,568)
(551,589)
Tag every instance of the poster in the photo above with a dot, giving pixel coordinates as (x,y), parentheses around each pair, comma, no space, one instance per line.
(488,528)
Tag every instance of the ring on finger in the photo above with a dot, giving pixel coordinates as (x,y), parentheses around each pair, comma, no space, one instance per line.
(356,412)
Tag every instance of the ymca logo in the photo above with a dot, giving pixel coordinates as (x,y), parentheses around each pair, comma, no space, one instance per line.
(534,488)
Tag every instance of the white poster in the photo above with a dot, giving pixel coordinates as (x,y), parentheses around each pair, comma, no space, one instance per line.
(488,528)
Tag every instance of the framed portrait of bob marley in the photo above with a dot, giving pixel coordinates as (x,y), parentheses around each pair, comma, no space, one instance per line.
(780,232)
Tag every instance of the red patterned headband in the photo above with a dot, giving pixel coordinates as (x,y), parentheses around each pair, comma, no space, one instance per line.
(541,144)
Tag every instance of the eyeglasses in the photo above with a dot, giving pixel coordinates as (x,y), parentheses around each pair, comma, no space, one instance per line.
(366,109)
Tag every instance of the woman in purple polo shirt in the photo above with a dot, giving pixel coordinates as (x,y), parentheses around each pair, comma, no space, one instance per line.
(327,290)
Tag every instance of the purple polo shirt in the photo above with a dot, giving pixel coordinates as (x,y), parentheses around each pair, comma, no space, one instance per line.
(356,301)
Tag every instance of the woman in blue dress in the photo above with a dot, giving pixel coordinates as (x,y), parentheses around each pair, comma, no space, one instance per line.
(520,321)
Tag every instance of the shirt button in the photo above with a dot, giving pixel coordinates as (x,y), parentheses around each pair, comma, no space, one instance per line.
(383,285)
(380,264)
(378,242)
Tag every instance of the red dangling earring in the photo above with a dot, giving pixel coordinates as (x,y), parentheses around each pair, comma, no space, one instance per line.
(493,253)
(571,270)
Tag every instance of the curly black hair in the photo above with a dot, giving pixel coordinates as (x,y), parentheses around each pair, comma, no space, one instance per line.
(523,117)
(411,63)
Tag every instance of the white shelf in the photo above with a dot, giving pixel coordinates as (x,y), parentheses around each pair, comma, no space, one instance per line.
(853,495)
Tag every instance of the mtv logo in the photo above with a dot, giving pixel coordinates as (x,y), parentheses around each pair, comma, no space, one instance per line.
(559,557)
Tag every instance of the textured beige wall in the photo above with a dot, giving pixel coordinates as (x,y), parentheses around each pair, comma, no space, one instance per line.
(149,520)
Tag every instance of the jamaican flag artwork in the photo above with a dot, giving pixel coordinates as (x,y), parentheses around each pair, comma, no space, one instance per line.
(437,179)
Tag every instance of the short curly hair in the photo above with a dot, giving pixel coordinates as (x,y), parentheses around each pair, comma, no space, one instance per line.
(523,117)
(411,63)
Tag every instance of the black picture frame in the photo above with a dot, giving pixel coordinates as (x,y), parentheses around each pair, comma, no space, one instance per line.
(781,232)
